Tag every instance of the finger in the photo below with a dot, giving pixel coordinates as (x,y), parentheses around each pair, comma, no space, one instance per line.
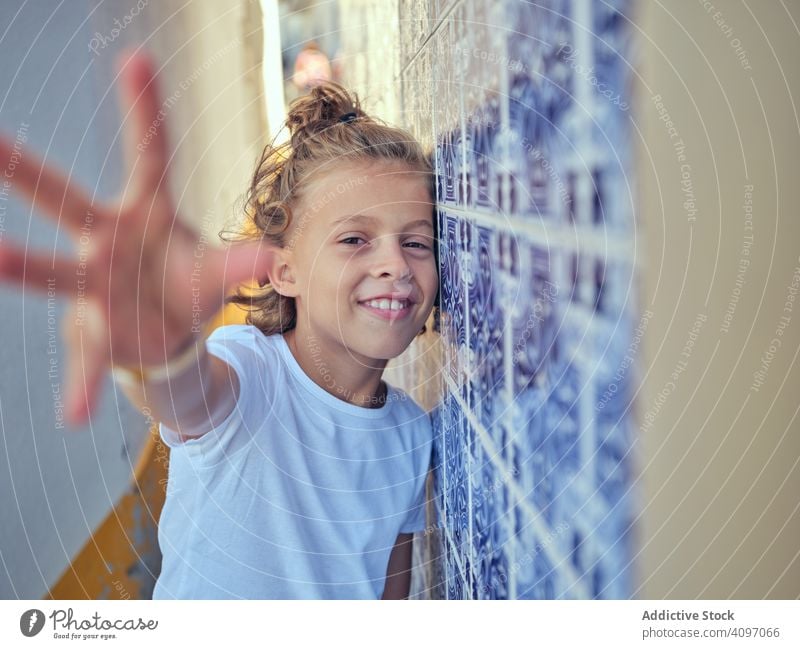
(243,262)
(36,271)
(86,334)
(47,187)
(145,141)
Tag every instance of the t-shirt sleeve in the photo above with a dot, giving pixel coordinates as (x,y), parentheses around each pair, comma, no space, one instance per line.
(237,345)
(416,515)
(416,520)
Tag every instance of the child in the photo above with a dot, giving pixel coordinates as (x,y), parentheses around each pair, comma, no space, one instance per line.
(295,471)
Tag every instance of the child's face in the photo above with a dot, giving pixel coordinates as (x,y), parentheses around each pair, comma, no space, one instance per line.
(338,264)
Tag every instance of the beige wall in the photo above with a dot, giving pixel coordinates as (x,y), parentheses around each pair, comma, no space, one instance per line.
(211,85)
(720,459)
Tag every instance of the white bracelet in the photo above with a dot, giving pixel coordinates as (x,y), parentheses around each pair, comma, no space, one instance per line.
(136,376)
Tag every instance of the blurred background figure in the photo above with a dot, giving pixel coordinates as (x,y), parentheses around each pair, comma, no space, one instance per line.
(311,67)
(310,45)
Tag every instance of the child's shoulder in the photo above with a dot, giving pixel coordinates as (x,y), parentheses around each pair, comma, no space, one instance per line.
(236,330)
(241,333)
(245,342)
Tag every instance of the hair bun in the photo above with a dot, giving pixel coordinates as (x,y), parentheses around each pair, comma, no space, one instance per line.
(321,108)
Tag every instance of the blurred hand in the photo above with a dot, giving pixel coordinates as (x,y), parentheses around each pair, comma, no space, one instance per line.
(139,282)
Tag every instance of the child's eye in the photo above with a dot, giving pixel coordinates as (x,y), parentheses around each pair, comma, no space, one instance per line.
(418,244)
(350,239)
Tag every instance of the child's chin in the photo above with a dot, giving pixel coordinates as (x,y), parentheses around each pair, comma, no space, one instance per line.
(380,347)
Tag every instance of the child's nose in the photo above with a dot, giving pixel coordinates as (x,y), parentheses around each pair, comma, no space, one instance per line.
(390,261)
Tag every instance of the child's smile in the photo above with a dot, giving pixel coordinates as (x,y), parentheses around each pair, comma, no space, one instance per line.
(388,307)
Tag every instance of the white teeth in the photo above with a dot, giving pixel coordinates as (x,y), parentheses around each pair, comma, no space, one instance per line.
(394,305)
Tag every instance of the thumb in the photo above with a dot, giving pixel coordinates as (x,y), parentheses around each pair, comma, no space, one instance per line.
(86,337)
(247,261)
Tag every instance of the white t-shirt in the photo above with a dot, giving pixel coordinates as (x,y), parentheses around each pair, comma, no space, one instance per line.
(297,494)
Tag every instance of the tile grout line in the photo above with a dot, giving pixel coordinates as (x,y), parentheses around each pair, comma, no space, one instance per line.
(442,362)
(505,125)
(466,256)
(466,259)
(559,235)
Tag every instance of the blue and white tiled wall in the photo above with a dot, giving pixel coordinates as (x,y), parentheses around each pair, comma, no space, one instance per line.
(527,107)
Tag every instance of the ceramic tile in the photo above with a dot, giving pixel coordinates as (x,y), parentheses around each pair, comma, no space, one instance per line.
(486,343)
(417,96)
(535,577)
(447,118)
(415,25)
(484,168)
(491,542)
(457,487)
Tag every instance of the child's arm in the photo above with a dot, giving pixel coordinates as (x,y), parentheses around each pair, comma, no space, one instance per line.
(193,400)
(398,574)
(139,278)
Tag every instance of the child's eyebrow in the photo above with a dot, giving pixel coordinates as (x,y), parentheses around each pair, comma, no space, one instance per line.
(369,219)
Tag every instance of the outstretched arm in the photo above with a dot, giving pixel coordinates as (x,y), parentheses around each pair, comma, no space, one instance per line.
(192,400)
(133,286)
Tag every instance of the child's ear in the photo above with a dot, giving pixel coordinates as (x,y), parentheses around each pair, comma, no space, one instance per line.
(281,274)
